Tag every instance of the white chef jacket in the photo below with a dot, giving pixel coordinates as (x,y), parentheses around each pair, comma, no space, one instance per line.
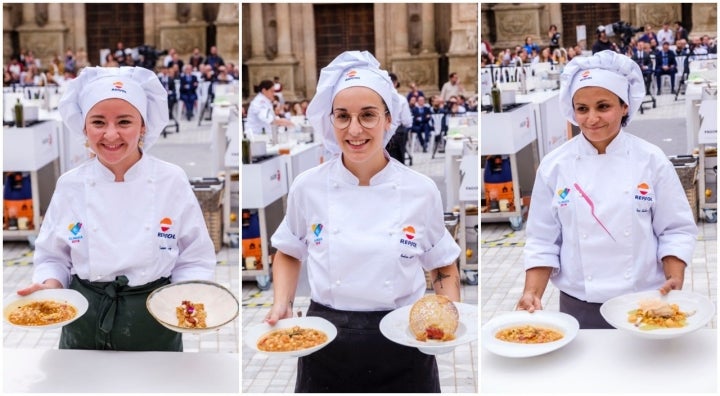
(405,114)
(637,196)
(260,115)
(365,246)
(147,227)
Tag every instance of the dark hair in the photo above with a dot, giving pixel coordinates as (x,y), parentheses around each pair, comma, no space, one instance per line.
(264,84)
(624,119)
(394,79)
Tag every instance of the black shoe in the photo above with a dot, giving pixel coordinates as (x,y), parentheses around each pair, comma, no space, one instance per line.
(658,93)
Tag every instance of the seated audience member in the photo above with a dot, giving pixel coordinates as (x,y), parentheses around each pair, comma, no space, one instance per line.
(665,64)
(422,123)
(188,91)
(642,57)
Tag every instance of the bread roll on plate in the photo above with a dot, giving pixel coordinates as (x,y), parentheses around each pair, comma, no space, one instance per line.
(434,317)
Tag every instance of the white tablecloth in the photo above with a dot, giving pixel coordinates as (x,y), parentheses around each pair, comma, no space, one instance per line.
(80,371)
(610,361)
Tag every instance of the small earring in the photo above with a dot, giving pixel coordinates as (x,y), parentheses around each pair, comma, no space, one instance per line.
(141,142)
(87,144)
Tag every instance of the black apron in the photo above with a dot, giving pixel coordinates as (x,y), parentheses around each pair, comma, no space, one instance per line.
(587,313)
(361,360)
(117,319)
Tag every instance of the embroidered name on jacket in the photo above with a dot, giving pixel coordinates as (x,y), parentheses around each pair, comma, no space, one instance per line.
(74,229)
(409,232)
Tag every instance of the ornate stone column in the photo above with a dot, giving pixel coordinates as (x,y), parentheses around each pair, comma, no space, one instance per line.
(183,36)
(282,12)
(285,64)
(257,38)
(399,17)
(228,32)
(54,15)
(463,52)
(7,30)
(704,16)
(428,28)
(196,12)
(44,41)
(422,69)
(28,15)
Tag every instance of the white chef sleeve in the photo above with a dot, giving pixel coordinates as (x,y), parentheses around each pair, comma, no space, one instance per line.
(264,113)
(196,258)
(443,250)
(51,259)
(290,237)
(543,229)
(673,222)
(405,114)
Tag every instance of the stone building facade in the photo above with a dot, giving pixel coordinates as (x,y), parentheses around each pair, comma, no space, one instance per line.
(505,25)
(51,28)
(421,43)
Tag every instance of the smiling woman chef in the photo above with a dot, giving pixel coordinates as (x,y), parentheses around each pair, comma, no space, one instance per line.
(366,226)
(609,215)
(123,223)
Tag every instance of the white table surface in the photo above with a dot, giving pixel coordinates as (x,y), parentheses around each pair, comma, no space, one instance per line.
(80,371)
(610,361)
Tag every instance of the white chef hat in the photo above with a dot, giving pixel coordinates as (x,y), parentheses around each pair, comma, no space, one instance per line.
(606,69)
(350,69)
(138,86)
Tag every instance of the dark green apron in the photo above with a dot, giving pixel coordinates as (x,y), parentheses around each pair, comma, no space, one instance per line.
(117,319)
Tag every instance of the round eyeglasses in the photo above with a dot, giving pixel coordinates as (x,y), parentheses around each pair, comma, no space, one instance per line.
(367,118)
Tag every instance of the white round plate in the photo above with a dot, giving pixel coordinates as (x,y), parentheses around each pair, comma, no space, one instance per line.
(395,326)
(221,305)
(69,296)
(615,311)
(559,321)
(253,334)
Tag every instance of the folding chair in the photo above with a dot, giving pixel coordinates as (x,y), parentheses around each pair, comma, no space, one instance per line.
(173,113)
(437,136)
(409,140)
(684,72)
(205,98)
(651,88)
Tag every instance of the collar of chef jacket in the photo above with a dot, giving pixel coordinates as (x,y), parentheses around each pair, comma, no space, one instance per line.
(138,170)
(617,146)
(342,174)
(262,100)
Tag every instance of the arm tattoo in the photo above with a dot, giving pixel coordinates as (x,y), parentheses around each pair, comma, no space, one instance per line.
(440,277)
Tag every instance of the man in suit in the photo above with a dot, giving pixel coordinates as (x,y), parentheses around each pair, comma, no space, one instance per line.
(168,83)
(188,90)
(665,64)
(641,56)
(422,122)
